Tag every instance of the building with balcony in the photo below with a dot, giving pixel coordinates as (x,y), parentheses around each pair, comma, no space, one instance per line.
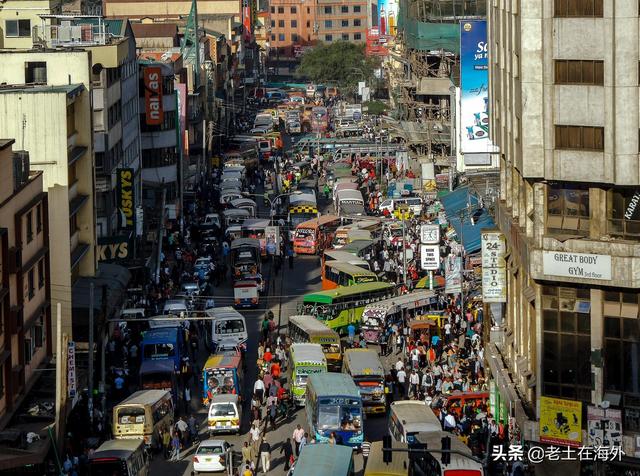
(18,18)
(345,21)
(53,123)
(289,26)
(25,317)
(114,89)
(566,114)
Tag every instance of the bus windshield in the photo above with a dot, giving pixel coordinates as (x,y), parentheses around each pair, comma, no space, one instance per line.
(305,232)
(230,326)
(159,351)
(222,409)
(131,415)
(346,416)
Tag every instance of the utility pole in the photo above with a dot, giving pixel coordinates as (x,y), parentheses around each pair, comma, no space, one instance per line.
(91,345)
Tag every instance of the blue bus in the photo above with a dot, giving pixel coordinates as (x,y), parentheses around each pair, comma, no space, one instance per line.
(164,343)
(334,405)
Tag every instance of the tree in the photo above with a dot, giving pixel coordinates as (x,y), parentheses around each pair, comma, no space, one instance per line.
(375,108)
(341,63)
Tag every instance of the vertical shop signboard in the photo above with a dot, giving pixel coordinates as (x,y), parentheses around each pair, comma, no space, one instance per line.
(453,274)
(126,198)
(154,113)
(494,270)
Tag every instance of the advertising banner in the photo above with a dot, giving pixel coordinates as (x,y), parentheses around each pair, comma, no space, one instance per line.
(116,248)
(125,198)
(560,421)
(430,257)
(453,274)
(182,110)
(494,270)
(272,236)
(154,114)
(604,426)
(474,87)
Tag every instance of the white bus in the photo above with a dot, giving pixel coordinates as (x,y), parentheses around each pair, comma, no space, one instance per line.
(228,328)
(407,418)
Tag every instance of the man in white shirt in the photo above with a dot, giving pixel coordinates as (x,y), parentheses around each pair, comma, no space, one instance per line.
(258,389)
(414,381)
(399,365)
(402,377)
(447,332)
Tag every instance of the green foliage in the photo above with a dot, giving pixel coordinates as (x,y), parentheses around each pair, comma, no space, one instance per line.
(375,108)
(341,63)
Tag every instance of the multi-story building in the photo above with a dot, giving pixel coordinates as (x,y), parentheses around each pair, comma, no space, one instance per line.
(25,318)
(290,25)
(345,20)
(19,17)
(565,115)
(47,108)
(114,89)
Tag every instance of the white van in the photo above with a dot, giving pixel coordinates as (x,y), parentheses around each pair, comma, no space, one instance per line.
(407,418)
(225,414)
(391,204)
(228,328)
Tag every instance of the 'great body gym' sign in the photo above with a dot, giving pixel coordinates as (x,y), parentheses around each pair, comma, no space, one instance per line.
(577,265)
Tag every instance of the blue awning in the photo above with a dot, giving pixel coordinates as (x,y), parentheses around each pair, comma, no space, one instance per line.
(467,222)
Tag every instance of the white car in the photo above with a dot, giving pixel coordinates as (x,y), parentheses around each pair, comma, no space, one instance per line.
(211,456)
(260,130)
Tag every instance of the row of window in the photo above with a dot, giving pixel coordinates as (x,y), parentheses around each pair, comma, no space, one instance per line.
(568,211)
(343,23)
(31,279)
(295,37)
(17,28)
(578,8)
(29,218)
(159,157)
(114,114)
(328,10)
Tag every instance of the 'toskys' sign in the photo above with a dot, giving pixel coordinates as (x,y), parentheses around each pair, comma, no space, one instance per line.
(577,265)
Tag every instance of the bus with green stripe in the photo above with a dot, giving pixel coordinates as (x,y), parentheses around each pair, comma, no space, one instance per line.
(342,306)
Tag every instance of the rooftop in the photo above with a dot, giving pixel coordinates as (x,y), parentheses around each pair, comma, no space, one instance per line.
(6,143)
(69,89)
(154,30)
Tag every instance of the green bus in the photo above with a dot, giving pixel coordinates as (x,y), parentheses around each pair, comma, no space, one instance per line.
(342,306)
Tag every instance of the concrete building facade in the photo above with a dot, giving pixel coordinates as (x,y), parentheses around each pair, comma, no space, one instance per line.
(18,18)
(25,317)
(54,124)
(565,115)
(345,21)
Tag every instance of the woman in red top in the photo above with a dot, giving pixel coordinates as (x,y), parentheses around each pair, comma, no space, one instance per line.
(275,370)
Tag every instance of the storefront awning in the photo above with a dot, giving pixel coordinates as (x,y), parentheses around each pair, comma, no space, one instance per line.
(467,218)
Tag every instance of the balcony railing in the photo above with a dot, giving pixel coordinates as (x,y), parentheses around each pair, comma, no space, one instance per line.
(71,35)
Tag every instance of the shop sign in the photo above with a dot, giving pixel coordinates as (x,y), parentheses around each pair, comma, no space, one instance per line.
(604,426)
(429,234)
(272,237)
(125,200)
(560,421)
(113,248)
(442,181)
(577,265)
(71,369)
(430,257)
(493,399)
(494,267)
(154,114)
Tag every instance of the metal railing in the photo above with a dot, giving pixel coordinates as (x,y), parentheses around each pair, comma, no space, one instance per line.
(71,35)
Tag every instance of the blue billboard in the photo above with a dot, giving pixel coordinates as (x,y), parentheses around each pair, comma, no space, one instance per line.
(474,87)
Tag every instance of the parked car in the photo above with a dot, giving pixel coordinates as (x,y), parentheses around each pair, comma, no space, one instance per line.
(211,456)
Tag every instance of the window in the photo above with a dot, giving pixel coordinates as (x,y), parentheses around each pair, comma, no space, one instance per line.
(73,224)
(41,274)
(38,333)
(28,350)
(327,10)
(356,22)
(567,209)
(623,212)
(344,23)
(35,72)
(356,9)
(39,218)
(357,36)
(328,24)
(578,8)
(579,72)
(566,342)
(345,37)
(273,10)
(29,223)
(294,37)
(71,119)
(294,24)
(294,10)
(273,23)
(281,37)
(328,37)
(308,24)
(580,137)
(281,10)
(344,9)
(308,10)
(273,37)
(18,28)
(31,283)
(280,23)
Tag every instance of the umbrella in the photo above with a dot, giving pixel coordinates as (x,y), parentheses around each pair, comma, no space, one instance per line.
(438,282)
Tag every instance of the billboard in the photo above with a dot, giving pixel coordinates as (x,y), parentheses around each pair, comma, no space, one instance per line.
(474,87)
(604,426)
(494,267)
(560,421)
(453,274)
(154,114)
(125,198)
(182,111)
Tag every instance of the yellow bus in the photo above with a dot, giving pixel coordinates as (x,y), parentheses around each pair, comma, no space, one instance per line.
(337,273)
(142,415)
(303,329)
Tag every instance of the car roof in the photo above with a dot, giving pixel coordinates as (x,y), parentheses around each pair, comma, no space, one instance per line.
(210,442)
